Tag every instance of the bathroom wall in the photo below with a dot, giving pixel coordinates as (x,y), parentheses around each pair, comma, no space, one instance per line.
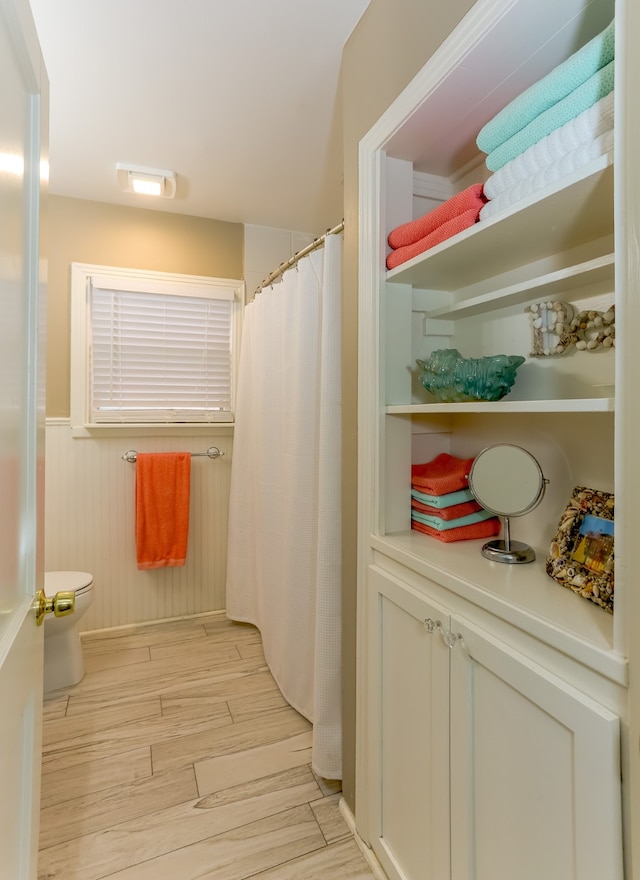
(90,525)
(80,231)
(265,247)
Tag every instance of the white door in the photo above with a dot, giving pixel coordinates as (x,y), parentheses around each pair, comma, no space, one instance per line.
(23,114)
(409,731)
(535,770)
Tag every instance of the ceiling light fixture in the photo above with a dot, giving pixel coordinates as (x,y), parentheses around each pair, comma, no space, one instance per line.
(146,181)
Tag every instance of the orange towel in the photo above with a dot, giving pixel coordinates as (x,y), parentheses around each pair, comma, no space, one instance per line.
(442,233)
(443,474)
(415,230)
(448,513)
(162,508)
(486,529)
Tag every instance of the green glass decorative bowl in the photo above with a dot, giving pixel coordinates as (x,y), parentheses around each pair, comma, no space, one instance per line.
(452,378)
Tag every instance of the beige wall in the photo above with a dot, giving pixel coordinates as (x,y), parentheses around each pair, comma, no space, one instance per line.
(390,44)
(135,238)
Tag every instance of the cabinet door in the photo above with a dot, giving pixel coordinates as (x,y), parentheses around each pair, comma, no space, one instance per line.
(535,770)
(409,731)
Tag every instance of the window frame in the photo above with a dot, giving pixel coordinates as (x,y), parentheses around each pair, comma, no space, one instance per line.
(81,275)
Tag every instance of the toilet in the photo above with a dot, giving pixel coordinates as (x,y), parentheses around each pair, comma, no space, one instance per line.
(63,660)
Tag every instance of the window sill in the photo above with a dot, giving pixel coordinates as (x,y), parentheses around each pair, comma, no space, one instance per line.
(210,429)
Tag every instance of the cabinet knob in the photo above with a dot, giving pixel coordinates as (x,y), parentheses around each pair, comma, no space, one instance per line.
(432,625)
(450,638)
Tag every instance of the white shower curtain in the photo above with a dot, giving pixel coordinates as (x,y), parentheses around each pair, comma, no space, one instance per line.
(284,555)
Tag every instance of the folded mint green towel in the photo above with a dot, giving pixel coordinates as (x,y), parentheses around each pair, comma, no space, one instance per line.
(596,87)
(443,524)
(556,85)
(447,500)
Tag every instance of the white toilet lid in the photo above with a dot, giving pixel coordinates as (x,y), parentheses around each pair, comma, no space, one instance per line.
(77,581)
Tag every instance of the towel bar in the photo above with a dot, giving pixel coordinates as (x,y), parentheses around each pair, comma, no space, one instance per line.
(212,452)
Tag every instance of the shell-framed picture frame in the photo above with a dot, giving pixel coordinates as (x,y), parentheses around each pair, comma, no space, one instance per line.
(581,555)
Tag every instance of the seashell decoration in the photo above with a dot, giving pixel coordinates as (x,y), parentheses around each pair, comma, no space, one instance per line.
(452,378)
(556,327)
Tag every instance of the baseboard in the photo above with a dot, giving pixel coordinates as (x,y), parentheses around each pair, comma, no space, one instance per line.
(131,626)
(367,852)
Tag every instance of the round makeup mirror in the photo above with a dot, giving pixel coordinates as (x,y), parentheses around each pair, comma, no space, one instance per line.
(508,481)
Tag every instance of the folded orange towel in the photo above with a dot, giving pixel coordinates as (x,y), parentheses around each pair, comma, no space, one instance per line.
(453,512)
(162,508)
(411,232)
(486,529)
(445,473)
(442,233)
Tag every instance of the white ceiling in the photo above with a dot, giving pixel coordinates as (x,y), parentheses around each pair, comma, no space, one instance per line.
(238,97)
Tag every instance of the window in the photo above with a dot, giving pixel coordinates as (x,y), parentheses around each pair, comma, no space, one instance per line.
(152,348)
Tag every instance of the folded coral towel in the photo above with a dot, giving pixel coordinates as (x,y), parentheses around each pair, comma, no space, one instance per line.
(442,233)
(585,128)
(442,502)
(162,508)
(552,88)
(442,525)
(556,170)
(448,513)
(411,232)
(445,473)
(585,96)
(486,529)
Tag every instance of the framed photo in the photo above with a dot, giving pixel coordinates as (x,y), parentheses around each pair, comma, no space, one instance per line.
(581,554)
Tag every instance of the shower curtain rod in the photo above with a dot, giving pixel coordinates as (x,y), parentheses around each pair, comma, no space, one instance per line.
(282,268)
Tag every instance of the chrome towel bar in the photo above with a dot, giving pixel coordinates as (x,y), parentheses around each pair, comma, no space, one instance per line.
(212,452)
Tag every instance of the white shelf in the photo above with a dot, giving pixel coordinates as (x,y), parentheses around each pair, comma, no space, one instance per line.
(523,595)
(566,214)
(587,404)
(598,274)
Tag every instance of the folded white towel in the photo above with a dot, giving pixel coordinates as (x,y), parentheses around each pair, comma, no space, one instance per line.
(568,163)
(586,127)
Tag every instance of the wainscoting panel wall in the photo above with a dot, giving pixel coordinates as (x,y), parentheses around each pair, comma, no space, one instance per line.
(90,526)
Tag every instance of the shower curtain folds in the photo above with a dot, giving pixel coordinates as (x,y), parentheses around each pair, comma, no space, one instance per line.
(284,554)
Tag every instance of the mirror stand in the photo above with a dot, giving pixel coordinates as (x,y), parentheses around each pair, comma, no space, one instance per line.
(506,550)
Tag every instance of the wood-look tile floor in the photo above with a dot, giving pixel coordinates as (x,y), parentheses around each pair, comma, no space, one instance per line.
(177,758)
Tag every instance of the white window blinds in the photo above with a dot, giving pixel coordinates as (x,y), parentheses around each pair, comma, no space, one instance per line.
(159,357)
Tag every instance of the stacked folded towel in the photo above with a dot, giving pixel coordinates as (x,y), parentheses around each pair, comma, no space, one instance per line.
(558,125)
(442,504)
(456,214)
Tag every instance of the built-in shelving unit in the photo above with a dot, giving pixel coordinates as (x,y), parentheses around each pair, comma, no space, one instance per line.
(471,293)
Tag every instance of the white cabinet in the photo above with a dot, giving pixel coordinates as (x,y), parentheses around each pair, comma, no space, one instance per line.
(535,769)
(486,766)
(409,729)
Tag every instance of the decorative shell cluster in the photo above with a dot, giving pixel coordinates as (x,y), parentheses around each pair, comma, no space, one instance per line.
(555,327)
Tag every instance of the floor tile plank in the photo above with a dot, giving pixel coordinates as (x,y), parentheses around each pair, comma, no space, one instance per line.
(342,861)
(279,724)
(114,659)
(72,726)
(225,771)
(64,784)
(198,698)
(140,637)
(157,732)
(239,854)
(330,819)
(100,854)
(115,805)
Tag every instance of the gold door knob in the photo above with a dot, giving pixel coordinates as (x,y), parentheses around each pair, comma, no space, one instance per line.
(60,605)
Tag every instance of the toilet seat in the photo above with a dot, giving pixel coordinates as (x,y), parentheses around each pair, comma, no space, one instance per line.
(78,582)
